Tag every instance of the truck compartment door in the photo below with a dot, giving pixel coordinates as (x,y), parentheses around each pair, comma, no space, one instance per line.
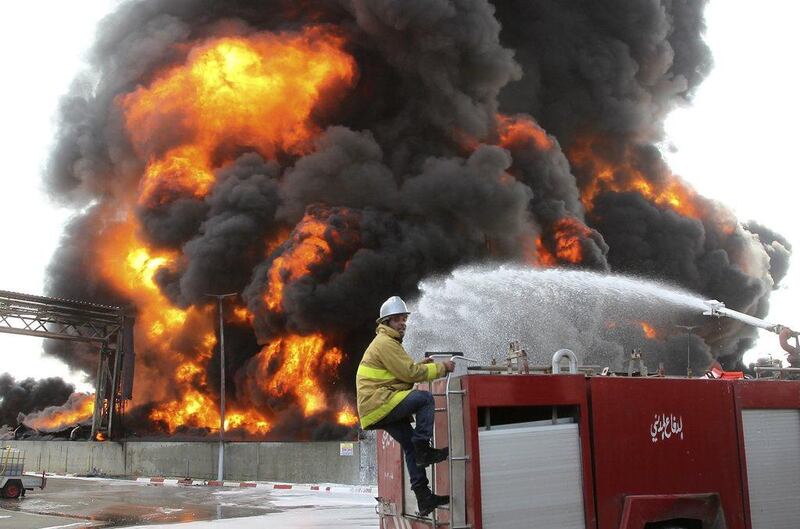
(531,477)
(772,453)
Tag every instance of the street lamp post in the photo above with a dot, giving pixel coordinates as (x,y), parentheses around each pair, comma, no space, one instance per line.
(220,464)
(689,329)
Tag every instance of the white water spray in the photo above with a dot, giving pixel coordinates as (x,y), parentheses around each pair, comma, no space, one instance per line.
(478,310)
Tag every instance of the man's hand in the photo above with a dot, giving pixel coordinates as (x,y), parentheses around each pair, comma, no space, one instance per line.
(449,366)
(426,361)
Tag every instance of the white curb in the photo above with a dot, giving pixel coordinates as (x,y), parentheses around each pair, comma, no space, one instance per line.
(325,487)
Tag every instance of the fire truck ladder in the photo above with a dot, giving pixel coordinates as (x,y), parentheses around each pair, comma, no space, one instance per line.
(80,321)
(455,508)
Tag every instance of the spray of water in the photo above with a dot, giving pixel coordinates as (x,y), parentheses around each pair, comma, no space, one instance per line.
(601,317)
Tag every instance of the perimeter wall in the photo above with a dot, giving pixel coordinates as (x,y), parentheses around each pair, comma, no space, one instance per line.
(313,462)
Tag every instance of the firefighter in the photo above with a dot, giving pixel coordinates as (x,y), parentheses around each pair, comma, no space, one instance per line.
(794,354)
(387,398)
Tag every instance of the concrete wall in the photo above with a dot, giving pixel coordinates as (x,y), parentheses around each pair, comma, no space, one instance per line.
(317,462)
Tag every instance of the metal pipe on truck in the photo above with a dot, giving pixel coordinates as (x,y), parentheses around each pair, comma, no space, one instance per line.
(718,309)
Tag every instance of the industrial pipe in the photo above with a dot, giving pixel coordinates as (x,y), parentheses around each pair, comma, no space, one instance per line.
(573,361)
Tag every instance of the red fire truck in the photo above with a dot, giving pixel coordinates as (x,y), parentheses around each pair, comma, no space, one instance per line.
(599,451)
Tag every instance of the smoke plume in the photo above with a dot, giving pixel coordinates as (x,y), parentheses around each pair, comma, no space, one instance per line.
(77,410)
(317,157)
(25,396)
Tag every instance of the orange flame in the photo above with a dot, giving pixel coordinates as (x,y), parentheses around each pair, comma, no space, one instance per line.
(195,409)
(188,371)
(648,329)
(198,410)
(158,324)
(605,176)
(300,360)
(309,248)
(561,242)
(78,409)
(568,234)
(242,315)
(130,266)
(346,417)
(183,170)
(249,420)
(544,256)
(257,91)
(521,130)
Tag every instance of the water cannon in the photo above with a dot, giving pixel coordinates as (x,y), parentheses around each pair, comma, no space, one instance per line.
(718,309)
(713,308)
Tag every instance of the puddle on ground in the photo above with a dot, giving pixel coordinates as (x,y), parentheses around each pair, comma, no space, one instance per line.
(121,504)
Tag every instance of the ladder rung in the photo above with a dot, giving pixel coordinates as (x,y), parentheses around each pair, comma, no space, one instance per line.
(460,458)
(440,409)
(426,520)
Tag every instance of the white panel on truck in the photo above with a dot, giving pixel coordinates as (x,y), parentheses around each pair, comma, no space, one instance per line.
(771,441)
(531,477)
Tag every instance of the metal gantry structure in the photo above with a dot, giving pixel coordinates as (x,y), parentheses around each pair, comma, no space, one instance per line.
(107,326)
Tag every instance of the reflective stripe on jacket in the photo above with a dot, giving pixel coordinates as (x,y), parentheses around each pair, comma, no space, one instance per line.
(387,374)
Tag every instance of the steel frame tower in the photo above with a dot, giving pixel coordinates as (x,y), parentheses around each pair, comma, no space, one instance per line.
(107,326)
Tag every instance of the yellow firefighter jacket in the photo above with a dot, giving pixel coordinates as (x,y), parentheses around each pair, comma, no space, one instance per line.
(386,375)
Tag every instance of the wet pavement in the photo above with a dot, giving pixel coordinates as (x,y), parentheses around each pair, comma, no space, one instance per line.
(79,503)
(19,520)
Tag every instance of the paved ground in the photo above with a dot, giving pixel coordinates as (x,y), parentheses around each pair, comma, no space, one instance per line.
(19,520)
(77,504)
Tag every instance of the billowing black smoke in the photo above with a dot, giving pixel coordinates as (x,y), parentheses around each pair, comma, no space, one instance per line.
(25,396)
(612,68)
(416,170)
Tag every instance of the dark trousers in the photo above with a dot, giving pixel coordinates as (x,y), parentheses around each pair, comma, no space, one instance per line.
(398,424)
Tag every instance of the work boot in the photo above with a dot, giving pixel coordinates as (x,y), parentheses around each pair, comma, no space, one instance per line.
(428,501)
(424,455)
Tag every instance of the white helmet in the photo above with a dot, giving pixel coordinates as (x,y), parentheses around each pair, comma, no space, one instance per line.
(392,307)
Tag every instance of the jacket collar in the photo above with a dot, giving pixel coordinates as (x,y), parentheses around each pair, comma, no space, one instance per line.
(388,331)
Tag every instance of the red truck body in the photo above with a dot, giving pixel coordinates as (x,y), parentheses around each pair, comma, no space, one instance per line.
(649,451)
